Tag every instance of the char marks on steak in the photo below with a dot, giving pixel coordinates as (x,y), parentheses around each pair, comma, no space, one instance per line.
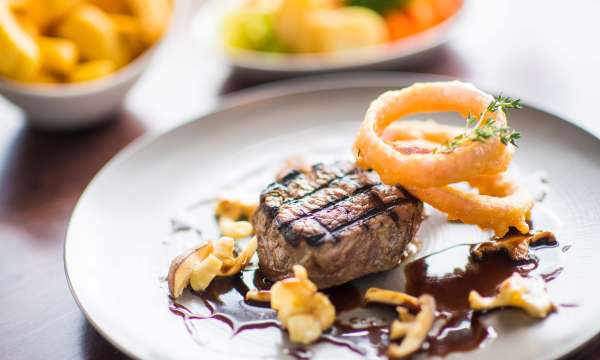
(338,221)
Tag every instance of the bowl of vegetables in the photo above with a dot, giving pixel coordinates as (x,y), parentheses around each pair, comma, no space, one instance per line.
(69,63)
(304,36)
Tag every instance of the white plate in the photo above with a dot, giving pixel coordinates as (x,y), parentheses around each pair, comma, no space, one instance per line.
(119,245)
(206,28)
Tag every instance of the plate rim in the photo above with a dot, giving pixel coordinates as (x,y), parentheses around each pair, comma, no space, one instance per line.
(269,91)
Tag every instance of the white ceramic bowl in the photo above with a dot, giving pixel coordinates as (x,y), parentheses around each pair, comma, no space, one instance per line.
(79,105)
(400,54)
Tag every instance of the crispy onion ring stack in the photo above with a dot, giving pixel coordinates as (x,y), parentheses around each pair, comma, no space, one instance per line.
(402,154)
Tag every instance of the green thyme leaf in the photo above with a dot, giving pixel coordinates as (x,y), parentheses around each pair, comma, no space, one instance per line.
(504,103)
(480,130)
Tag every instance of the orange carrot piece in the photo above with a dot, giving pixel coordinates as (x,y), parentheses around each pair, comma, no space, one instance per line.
(422,13)
(445,8)
(399,24)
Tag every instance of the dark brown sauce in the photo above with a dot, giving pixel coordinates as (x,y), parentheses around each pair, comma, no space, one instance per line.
(568,305)
(178,226)
(448,275)
(223,300)
(344,297)
(299,353)
(552,275)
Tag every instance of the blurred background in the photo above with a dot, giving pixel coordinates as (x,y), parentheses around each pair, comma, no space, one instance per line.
(74,95)
(544,52)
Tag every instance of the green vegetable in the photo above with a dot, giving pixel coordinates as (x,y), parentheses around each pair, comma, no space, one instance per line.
(380,6)
(251,30)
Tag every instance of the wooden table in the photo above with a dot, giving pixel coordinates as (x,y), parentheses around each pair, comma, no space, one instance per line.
(541,51)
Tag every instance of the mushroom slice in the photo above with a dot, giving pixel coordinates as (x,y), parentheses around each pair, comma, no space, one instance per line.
(199,266)
(517,246)
(236,229)
(258,295)
(183,265)
(389,297)
(235,206)
(404,314)
(223,249)
(204,272)
(232,212)
(414,330)
(303,328)
(302,310)
(241,260)
(528,294)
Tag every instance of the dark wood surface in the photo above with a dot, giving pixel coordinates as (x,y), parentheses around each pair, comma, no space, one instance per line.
(541,51)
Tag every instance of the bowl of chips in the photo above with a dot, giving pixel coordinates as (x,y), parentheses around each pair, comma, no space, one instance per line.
(69,63)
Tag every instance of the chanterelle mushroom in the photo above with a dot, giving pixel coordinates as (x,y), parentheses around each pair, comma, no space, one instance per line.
(200,265)
(517,246)
(302,310)
(233,212)
(258,295)
(528,294)
(389,297)
(235,206)
(414,329)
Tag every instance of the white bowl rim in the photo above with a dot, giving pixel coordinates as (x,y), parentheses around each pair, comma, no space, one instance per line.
(88,87)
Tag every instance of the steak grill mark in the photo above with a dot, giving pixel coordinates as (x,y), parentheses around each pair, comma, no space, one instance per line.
(336,199)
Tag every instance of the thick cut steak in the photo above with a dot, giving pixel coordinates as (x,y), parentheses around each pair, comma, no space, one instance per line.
(338,221)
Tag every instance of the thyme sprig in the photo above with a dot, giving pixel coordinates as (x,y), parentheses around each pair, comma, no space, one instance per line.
(504,103)
(480,129)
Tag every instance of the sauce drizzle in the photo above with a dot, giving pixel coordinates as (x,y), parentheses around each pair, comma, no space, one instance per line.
(448,275)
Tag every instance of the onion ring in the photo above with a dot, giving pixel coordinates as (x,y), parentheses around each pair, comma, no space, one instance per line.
(499,185)
(427,130)
(389,150)
(487,212)
(429,170)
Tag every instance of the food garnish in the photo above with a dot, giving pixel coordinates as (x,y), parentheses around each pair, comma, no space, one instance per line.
(235,229)
(389,297)
(465,162)
(198,266)
(232,212)
(404,314)
(62,41)
(494,185)
(258,295)
(427,175)
(528,294)
(302,310)
(412,328)
(480,129)
(235,206)
(516,246)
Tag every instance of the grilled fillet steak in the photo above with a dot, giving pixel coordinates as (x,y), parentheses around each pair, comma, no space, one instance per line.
(338,221)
